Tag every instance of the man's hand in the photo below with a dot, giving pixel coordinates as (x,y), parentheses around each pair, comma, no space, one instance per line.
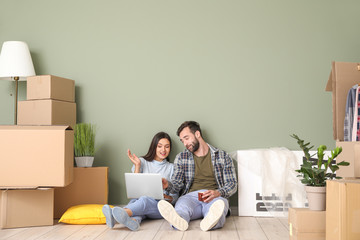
(164,183)
(209,195)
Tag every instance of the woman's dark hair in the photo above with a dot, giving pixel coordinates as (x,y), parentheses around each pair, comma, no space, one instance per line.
(153,145)
(193,126)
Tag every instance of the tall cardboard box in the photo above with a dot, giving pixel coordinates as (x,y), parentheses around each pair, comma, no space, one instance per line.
(34,156)
(26,207)
(90,186)
(46,112)
(50,87)
(350,153)
(305,224)
(343,209)
(342,77)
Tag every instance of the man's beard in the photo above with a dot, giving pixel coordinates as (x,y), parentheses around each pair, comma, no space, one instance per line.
(195,146)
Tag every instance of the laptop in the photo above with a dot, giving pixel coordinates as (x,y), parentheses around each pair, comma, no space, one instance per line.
(144,184)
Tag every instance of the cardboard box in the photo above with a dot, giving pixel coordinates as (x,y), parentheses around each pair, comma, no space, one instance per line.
(342,77)
(343,209)
(50,87)
(26,208)
(33,156)
(305,224)
(90,186)
(46,112)
(350,153)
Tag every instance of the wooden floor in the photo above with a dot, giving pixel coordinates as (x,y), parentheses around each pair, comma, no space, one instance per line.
(244,228)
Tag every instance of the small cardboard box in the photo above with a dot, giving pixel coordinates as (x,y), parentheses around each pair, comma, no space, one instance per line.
(90,186)
(50,87)
(26,207)
(305,224)
(343,209)
(342,77)
(33,156)
(46,112)
(350,153)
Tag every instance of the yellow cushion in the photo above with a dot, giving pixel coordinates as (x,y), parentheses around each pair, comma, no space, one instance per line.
(84,214)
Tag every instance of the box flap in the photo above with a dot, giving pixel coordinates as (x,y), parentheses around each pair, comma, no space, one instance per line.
(18,127)
(328,87)
(18,188)
(347,180)
(48,75)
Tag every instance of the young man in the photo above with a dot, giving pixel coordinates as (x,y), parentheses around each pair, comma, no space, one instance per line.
(201,168)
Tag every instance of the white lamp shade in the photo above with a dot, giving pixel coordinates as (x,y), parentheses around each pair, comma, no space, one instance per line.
(15,61)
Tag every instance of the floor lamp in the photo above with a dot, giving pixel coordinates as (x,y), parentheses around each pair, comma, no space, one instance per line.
(15,64)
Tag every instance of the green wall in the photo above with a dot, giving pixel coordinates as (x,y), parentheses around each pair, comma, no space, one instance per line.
(251,72)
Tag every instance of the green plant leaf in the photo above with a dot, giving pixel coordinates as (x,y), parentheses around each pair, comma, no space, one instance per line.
(343,163)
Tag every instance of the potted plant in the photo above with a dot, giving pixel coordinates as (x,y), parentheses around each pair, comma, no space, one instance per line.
(84,144)
(314,172)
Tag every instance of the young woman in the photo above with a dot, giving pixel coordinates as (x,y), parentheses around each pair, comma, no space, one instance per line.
(155,161)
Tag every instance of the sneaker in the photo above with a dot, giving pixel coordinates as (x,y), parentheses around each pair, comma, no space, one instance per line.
(110,221)
(169,214)
(213,216)
(122,217)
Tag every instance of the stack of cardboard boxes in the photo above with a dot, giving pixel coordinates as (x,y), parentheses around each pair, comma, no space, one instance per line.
(343,76)
(50,101)
(341,220)
(343,196)
(37,154)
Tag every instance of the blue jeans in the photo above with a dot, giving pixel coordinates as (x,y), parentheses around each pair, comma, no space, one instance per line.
(190,208)
(144,207)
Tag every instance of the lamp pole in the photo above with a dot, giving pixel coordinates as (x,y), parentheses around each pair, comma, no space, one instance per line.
(16,98)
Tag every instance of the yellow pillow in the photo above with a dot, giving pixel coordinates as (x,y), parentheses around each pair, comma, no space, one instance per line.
(84,214)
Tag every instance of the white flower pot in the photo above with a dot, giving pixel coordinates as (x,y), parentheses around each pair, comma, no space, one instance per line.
(316,197)
(84,161)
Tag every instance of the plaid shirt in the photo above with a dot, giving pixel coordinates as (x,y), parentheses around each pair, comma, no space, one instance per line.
(184,171)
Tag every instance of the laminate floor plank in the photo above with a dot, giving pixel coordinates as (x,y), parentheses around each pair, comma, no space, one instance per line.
(6,233)
(167,232)
(63,231)
(148,230)
(273,228)
(119,232)
(33,232)
(227,232)
(194,232)
(248,228)
(89,232)
(284,222)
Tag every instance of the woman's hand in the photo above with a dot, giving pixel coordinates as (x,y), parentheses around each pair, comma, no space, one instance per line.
(135,160)
(168,198)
